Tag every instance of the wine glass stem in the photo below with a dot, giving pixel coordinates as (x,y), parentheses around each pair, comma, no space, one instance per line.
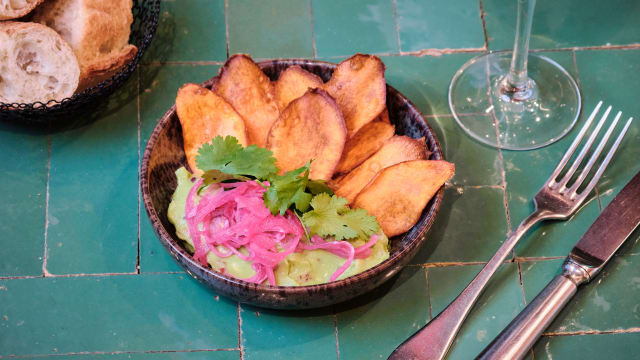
(518,78)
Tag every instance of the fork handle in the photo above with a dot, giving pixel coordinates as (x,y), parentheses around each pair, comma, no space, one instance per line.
(434,339)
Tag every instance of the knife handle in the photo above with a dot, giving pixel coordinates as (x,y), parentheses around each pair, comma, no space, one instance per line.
(523,331)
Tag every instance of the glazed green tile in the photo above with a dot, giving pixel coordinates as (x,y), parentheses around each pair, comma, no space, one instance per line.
(113,314)
(93,191)
(588,347)
(190,30)
(593,23)
(158,94)
(347,27)
(496,307)
(22,208)
(470,226)
(385,318)
(277,334)
(424,80)
(270,29)
(152,355)
(616,88)
(609,302)
(439,24)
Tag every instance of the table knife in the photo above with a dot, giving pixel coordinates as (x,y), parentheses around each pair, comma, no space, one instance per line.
(614,225)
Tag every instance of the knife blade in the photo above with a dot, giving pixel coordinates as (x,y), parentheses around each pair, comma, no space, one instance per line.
(596,247)
(611,228)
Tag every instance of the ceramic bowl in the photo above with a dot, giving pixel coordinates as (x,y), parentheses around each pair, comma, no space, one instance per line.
(164,154)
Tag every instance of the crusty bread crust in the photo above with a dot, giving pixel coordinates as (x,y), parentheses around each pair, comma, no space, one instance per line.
(97,30)
(36,64)
(9,11)
(104,68)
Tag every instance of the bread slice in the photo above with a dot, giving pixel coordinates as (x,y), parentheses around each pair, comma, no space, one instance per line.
(36,64)
(97,30)
(13,9)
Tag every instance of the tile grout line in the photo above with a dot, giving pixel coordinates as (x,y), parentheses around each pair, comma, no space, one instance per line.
(426,276)
(313,32)
(471,263)
(80,353)
(593,332)
(634,46)
(226,25)
(88,275)
(503,175)
(45,273)
(139,167)
(335,331)
(397,23)
(524,297)
(165,63)
(240,344)
(484,25)
(435,52)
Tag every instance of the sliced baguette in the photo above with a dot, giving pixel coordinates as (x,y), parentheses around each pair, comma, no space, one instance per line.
(13,9)
(97,30)
(36,64)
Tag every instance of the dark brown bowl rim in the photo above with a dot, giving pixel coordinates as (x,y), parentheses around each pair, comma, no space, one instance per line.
(393,259)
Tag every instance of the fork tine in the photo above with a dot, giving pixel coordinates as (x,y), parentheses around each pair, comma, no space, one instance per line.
(594,156)
(567,155)
(604,164)
(583,152)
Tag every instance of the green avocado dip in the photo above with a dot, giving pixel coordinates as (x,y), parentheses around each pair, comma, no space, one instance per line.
(307,267)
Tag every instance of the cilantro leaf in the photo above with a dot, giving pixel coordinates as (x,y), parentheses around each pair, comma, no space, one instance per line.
(285,190)
(332,217)
(228,156)
(359,220)
(319,186)
(217,176)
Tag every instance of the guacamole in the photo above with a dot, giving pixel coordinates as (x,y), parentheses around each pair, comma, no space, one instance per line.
(299,268)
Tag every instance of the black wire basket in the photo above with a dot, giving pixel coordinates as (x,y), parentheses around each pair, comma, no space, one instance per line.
(145,22)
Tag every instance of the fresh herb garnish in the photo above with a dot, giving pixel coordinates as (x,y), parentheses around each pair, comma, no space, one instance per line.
(225,159)
(332,217)
(228,156)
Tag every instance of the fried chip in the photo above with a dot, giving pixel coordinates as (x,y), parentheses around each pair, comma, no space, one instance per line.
(309,128)
(399,193)
(384,116)
(363,144)
(293,83)
(395,150)
(203,116)
(243,85)
(359,87)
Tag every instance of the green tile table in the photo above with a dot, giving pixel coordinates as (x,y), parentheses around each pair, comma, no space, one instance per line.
(82,275)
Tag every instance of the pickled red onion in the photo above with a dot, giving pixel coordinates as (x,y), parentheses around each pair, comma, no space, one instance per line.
(235,216)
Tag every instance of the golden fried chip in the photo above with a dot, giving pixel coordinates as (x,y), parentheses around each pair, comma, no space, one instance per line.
(360,90)
(203,116)
(243,85)
(399,193)
(293,83)
(384,116)
(395,150)
(310,128)
(363,144)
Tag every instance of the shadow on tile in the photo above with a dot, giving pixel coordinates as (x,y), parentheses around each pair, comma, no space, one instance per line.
(380,292)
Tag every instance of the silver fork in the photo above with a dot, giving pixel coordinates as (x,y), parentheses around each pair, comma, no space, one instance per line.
(555,200)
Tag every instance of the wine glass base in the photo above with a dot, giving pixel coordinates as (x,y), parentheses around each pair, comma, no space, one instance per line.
(515,119)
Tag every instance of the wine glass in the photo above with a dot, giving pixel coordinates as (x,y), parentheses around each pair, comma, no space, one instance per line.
(512,99)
